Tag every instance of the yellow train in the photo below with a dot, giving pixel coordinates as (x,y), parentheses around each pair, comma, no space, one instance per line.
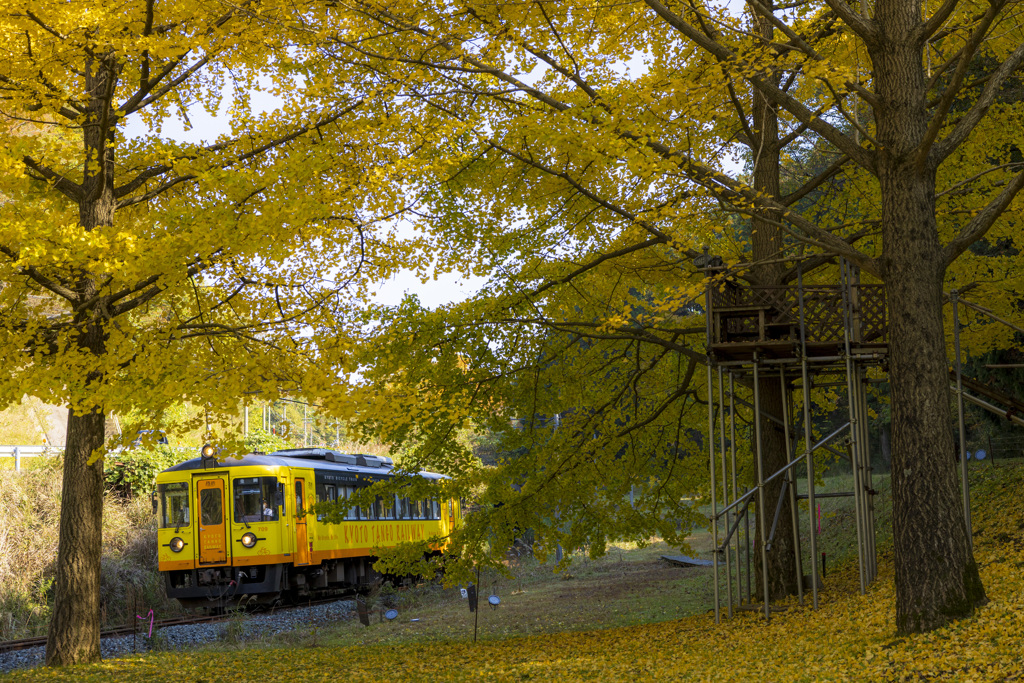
(240,526)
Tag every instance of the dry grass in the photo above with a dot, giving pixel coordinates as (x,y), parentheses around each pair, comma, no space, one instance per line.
(20,424)
(30,501)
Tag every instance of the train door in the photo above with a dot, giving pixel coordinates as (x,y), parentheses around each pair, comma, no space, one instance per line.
(301,533)
(212,527)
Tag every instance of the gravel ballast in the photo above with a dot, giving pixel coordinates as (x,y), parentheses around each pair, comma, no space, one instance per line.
(245,628)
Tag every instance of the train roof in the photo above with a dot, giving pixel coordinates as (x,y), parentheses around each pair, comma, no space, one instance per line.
(323,459)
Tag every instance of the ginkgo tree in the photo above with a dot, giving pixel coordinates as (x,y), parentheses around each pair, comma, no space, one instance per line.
(571,157)
(137,271)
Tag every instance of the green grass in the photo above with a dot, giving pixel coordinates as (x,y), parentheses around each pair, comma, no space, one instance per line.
(628,586)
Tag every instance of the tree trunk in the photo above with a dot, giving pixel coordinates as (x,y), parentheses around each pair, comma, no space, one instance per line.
(767,243)
(936,576)
(74,635)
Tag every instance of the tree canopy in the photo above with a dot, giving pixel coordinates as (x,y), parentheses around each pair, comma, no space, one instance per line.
(138,270)
(584,162)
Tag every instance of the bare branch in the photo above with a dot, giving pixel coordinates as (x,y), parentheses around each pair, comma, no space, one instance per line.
(862,26)
(793,36)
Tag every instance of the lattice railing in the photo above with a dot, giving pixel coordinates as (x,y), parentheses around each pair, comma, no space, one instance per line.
(773,313)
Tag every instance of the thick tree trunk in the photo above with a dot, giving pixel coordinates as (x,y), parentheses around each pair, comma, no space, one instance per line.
(936,576)
(74,635)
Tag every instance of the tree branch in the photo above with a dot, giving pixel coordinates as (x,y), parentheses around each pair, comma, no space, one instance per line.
(973,117)
(773,94)
(66,187)
(815,182)
(924,152)
(980,224)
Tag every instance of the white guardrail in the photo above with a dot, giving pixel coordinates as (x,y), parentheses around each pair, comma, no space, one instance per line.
(19,452)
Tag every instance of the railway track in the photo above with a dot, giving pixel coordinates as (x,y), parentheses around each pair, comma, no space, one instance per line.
(25,643)
(143,626)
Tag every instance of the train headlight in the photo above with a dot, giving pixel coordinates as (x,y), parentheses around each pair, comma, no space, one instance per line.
(209,451)
(176,544)
(249,539)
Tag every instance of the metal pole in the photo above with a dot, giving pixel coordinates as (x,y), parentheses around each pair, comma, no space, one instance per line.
(868,487)
(305,425)
(955,295)
(807,437)
(245,422)
(476,616)
(853,407)
(760,488)
(725,488)
(714,502)
(17,459)
(732,455)
(791,479)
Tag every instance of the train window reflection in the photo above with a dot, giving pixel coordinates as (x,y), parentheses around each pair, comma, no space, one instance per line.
(256,499)
(211,507)
(173,501)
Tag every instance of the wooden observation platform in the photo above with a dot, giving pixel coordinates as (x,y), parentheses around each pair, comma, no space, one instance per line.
(790,321)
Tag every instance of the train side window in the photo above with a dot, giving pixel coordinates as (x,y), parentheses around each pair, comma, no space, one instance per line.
(330,495)
(353,513)
(173,505)
(414,509)
(388,507)
(403,508)
(436,508)
(356,512)
(269,498)
(250,502)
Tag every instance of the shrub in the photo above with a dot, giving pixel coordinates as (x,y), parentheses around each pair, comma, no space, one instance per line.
(132,471)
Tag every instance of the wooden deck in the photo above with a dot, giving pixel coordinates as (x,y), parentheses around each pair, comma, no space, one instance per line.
(767,321)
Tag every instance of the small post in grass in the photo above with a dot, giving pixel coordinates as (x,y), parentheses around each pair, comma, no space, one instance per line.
(472,601)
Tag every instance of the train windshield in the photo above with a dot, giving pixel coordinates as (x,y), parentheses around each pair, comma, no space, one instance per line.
(256,499)
(173,504)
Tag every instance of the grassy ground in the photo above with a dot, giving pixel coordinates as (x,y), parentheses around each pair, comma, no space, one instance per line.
(631,595)
(626,587)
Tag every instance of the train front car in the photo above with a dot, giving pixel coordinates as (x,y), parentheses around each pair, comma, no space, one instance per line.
(238,526)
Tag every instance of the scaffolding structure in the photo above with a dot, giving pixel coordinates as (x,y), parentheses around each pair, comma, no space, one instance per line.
(981,395)
(807,336)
